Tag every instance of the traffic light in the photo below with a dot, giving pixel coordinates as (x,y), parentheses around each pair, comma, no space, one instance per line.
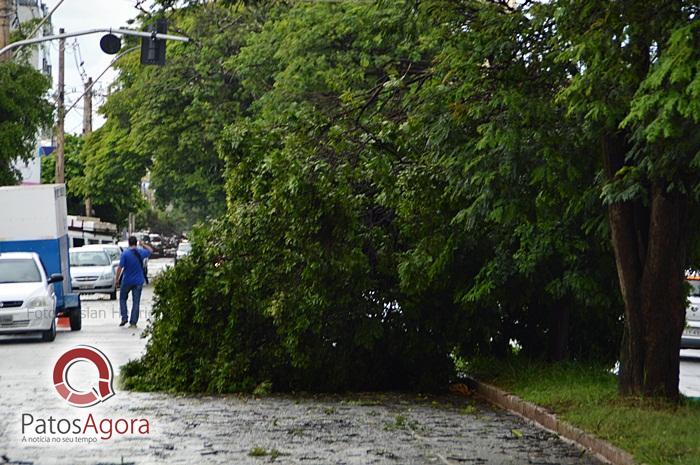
(153,50)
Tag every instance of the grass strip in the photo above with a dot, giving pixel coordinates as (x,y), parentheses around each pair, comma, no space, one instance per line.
(585,395)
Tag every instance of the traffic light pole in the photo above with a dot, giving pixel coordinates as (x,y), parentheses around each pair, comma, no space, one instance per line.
(126,32)
(61,120)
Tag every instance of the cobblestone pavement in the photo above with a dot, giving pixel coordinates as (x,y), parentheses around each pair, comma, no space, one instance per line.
(352,429)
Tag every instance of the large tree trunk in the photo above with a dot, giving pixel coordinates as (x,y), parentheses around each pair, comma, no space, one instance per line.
(649,237)
(663,291)
(628,259)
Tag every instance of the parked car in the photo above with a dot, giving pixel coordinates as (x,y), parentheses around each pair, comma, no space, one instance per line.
(183,249)
(92,272)
(27,295)
(113,251)
(691,333)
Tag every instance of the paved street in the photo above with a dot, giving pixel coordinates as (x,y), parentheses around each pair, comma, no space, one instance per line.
(355,429)
(690,373)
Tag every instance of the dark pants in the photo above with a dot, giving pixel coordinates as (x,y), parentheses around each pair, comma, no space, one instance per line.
(136,300)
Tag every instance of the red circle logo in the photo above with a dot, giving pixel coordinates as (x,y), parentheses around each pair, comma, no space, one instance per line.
(74,397)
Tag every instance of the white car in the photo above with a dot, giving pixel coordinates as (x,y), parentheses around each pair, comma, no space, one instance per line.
(157,244)
(183,250)
(91,272)
(691,333)
(113,251)
(27,296)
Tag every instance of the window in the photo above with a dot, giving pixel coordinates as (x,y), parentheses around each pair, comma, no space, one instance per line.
(96,258)
(694,288)
(19,271)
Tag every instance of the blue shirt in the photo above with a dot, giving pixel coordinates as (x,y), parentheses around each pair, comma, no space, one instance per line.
(131,268)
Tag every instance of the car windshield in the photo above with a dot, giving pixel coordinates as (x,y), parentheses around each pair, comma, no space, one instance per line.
(97,258)
(694,288)
(184,247)
(22,270)
(113,253)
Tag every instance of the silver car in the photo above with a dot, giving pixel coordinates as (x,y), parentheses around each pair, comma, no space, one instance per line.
(92,272)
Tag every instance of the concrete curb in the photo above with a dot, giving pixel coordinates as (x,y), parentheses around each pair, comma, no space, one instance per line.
(549,421)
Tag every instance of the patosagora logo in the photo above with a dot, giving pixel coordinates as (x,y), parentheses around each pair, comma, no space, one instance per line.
(75,397)
(42,429)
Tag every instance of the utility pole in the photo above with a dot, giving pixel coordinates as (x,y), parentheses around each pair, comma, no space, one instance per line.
(87,108)
(87,129)
(5,14)
(60,126)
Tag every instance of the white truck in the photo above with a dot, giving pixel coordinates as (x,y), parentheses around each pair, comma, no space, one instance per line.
(33,220)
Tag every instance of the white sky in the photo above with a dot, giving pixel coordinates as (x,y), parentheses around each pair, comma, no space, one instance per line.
(76,15)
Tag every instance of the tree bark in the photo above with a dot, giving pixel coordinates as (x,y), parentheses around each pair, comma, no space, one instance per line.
(650,244)
(663,291)
(629,257)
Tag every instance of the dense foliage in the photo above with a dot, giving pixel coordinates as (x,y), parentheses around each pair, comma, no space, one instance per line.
(175,114)
(399,192)
(24,110)
(74,171)
(412,181)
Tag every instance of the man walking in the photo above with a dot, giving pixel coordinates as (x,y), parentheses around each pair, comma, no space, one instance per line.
(131,266)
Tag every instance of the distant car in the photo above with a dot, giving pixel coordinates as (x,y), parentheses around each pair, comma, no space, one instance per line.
(156,245)
(691,333)
(91,272)
(113,251)
(183,249)
(27,296)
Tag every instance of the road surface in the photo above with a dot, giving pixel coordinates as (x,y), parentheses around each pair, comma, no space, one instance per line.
(690,373)
(353,429)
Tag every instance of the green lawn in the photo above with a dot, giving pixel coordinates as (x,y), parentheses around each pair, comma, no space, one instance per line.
(654,432)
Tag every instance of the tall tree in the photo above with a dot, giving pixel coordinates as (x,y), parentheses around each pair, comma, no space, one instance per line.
(177,112)
(399,191)
(112,171)
(75,171)
(23,111)
(634,78)
(520,181)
